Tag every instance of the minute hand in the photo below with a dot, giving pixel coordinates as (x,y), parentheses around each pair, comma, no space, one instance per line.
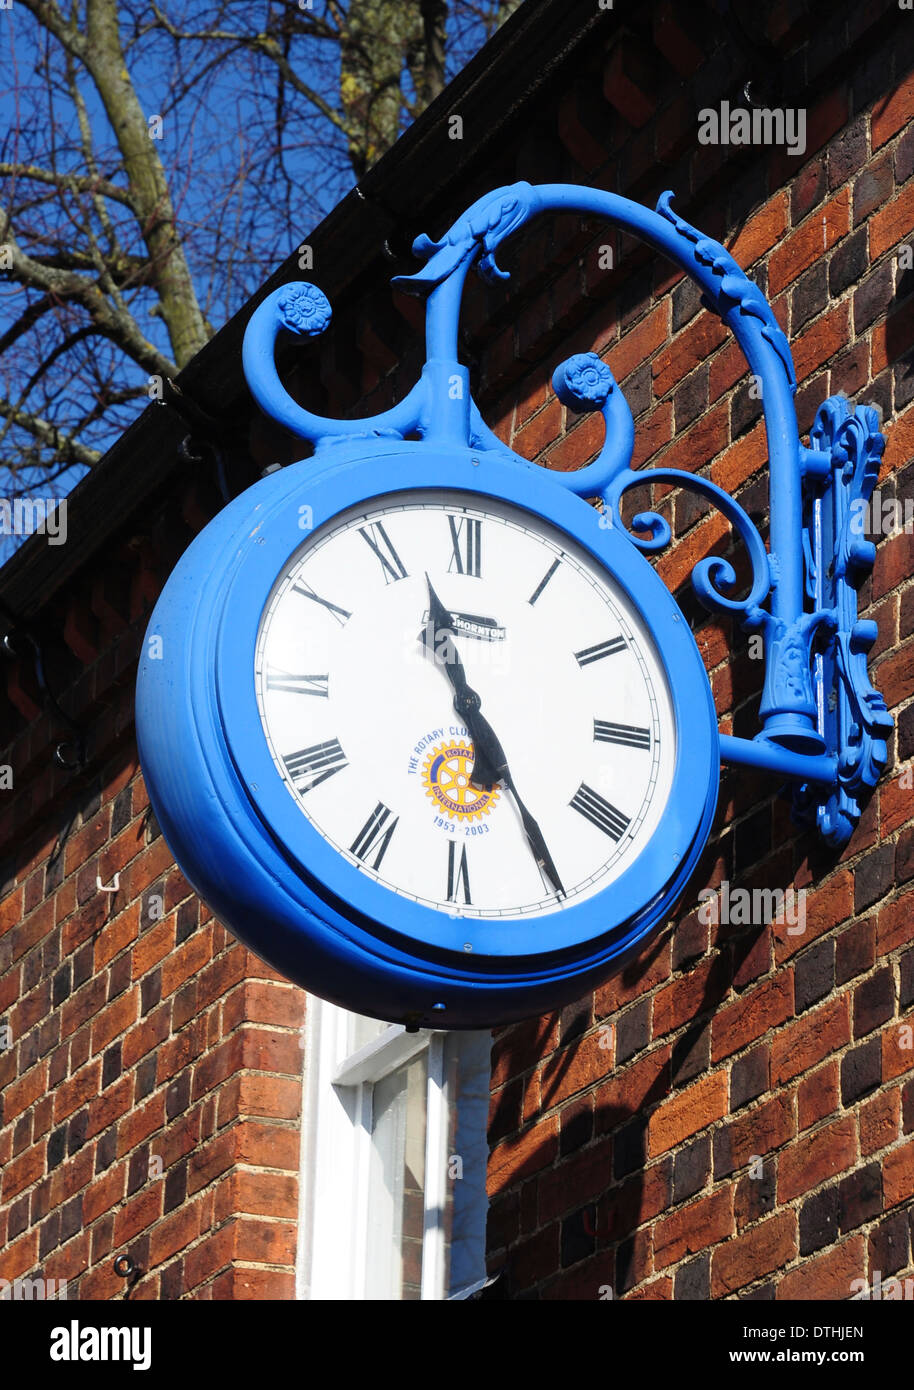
(535,837)
(490,765)
(486,742)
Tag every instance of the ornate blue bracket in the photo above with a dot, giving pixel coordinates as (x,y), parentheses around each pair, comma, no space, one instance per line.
(824,726)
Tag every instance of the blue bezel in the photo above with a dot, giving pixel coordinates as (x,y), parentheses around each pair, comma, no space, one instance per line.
(270,875)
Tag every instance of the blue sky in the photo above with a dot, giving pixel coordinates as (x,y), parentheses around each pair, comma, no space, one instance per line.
(248,187)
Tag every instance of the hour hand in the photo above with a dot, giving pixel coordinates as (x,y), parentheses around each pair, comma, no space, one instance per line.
(440,626)
(490,765)
(488,757)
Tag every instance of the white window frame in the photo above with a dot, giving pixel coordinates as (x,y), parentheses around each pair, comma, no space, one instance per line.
(336,1153)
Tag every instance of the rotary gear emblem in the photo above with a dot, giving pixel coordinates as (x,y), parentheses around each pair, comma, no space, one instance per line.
(446,778)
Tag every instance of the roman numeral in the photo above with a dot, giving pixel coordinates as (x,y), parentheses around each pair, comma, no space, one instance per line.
(466,543)
(340,614)
(375,536)
(626,734)
(298,685)
(589,654)
(458,875)
(375,835)
(599,812)
(544,581)
(311,766)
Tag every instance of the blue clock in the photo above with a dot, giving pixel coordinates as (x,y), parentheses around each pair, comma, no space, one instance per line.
(420,723)
(313,718)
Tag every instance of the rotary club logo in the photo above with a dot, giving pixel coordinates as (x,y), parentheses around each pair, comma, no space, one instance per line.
(446,778)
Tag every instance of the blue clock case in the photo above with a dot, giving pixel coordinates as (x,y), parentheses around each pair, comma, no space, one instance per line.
(268,874)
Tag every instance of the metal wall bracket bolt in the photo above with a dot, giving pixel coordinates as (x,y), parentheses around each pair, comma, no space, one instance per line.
(125,1267)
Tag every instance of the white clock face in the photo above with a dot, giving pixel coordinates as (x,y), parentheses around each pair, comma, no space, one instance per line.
(356,686)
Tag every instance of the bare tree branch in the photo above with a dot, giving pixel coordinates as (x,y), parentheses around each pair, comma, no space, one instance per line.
(50,18)
(66,284)
(117,248)
(64,446)
(270,47)
(73,183)
(104,59)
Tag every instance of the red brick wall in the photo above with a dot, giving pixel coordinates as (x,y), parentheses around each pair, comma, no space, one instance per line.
(152,1085)
(626,1129)
(734,1113)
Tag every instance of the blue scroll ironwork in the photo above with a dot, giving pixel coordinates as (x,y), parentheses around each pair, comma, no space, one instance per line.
(823,726)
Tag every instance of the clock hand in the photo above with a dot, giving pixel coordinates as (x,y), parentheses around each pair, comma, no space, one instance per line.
(490,765)
(535,838)
(486,742)
(440,621)
(488,756)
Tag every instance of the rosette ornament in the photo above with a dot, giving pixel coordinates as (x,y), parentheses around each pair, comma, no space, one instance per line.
(304,309)
(583,382)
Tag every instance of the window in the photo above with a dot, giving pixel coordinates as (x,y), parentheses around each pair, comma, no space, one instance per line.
(393,1159)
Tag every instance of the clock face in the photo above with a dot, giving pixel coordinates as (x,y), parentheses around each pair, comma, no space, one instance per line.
(355,682)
